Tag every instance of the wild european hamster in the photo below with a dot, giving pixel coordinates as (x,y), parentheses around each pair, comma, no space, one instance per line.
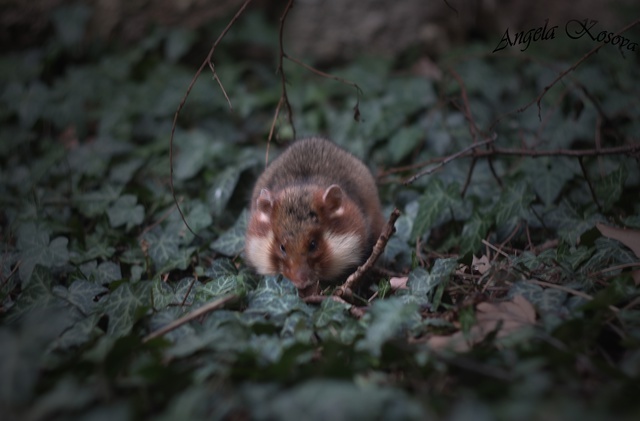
(315,214)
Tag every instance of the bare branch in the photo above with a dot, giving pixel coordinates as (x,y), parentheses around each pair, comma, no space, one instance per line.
(206,62)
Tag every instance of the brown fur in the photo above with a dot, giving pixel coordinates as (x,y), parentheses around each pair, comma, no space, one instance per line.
(318,202)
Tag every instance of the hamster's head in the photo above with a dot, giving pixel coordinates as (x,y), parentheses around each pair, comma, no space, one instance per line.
(307,233)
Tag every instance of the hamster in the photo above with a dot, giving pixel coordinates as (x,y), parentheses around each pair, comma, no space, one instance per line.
(315,214)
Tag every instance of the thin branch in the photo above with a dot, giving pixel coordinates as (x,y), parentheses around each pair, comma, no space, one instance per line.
(283,95)
(206,62)
(586,177)
(207,308)
(473,129)
(570,291)
(448,159)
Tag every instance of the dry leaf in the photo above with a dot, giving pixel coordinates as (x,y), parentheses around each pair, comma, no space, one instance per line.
(399,283)
(630,238)
(514,315)
(481,265)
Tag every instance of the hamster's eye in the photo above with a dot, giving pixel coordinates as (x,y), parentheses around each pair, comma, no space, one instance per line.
(282,249)
(313,245)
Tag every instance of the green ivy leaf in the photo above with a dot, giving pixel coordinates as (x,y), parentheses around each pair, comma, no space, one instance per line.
(82,294)
(514,203)
(125,306)
(36,294)
(222,188)
(163,246)
(125,211)
(549,176)
(275,298)
(433,204)
(196,149)
(231,243)
(388,319)
(609,189)
(35,247)
(95,203)
(474,231)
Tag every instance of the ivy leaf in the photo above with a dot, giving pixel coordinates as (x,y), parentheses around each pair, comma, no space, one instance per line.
(433,204)
(163,246)
(571,224)
(36,294)
(222,188)
(223,285)
(125,306)
(423,284)
(274,297)
(474,231)
(196,149)
(609,189)
(388,319)
(231,243)
(95,203)
(35,247)
(514,204)
(125,211)
(549,176)
(82,294)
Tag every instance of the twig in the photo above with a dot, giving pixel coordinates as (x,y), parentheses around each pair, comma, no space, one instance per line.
(387,232)
(447,160)
(473,129)
(207,308)
(617,267)
(494,248)
(283,95)
(569,290)
(184,300)
(617,150)
(206,62)
(586,177)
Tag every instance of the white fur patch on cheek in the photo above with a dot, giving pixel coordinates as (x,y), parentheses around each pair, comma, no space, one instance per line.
(346,251)
(258,252)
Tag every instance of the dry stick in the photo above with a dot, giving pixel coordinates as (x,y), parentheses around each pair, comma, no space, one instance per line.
(593,192)
(617,150)
(283,95)
(618,267)
(569,290)
(473,129)
(207,308)
(206,61)
(570,69)
(447,160)
(387,232)
(273,126)
(467,181)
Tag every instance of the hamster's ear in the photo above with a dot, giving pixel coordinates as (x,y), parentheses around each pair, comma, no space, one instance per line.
(265,203)
(332,198)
